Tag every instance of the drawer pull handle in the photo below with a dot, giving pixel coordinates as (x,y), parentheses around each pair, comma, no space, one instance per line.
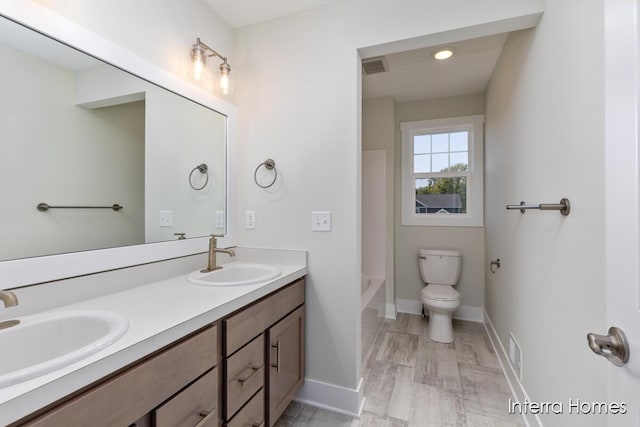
(258,425)
(277,364)
(253,371)
(207,416)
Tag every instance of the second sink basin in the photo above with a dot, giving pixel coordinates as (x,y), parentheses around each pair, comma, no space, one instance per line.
(235,274)
(44,342)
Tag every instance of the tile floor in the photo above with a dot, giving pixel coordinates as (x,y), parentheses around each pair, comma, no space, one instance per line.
(411,381)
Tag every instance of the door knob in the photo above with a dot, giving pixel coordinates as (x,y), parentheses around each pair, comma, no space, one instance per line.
(614,346)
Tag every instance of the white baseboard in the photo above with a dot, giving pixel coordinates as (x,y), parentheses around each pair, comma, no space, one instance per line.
(517,389)
(332,397)
(465,312)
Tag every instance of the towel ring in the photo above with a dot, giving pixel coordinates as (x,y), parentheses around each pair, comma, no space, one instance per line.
(268,164)
(203,169)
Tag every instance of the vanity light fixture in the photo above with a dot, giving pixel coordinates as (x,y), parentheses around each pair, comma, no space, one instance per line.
(443,53)
(199,55)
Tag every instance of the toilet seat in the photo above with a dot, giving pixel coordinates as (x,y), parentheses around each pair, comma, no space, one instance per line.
(441,293)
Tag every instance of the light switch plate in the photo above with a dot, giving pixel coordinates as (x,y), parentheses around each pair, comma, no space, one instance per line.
(250,220)
(166,218)
(219,219)
(321,221)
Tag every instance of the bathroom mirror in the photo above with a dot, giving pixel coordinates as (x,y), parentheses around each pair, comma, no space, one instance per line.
(80,136)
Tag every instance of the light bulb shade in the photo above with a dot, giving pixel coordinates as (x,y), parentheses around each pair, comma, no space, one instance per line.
(443,53)
(225,69)
(199,57)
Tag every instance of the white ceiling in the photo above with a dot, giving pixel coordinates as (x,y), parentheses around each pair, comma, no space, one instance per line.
(414,75)
(241,13)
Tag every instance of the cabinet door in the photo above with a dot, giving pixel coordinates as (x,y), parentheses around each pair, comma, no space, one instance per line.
(286,362)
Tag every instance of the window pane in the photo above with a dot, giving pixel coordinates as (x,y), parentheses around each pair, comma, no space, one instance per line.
(459,141)
(421,163)
(421,144)
(459,161)
(440,162)
(441,195)
(440,143)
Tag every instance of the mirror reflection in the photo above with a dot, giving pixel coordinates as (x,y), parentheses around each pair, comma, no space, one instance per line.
(81,136)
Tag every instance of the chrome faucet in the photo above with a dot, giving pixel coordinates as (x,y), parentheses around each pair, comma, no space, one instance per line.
(8,298)
(213,249)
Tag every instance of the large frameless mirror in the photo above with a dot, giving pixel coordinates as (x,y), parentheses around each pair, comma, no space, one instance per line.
(92,157)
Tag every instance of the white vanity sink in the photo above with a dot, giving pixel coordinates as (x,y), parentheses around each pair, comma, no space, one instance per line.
(44,342)
(235,274)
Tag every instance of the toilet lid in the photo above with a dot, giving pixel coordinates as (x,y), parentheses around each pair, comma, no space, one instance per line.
(441,293)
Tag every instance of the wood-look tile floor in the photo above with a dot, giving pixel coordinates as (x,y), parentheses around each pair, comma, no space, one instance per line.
(411,381)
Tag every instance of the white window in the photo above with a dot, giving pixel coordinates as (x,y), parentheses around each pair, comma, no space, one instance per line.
(442,172)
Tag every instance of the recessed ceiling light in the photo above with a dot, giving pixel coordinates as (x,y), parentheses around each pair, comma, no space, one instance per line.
(443,53)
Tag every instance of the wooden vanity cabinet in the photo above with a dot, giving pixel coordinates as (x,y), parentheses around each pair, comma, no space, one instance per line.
(260,348)
(271,330)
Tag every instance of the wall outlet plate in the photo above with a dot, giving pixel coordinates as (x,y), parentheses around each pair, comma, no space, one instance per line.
(321,221)
(166,218)
(250,220)
(219,219)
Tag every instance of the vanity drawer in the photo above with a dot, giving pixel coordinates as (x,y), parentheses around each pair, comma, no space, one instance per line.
(249,323)
(192,405)
(252,415)
(125,397)
(245,374)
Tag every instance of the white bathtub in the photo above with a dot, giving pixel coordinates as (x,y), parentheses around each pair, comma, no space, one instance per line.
(372,311)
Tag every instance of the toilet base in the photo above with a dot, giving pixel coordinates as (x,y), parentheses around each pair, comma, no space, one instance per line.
(440,327)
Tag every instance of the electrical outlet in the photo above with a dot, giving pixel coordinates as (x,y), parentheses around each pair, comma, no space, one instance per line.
(321,221)
(250,220)
(219,219)
(166,218)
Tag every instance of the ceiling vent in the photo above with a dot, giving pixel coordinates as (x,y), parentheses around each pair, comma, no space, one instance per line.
(374,65)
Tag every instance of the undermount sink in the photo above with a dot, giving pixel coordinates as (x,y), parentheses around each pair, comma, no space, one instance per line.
(44,342)
(235,274)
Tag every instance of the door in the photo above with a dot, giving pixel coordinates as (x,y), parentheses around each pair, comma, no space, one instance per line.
(286,362)
(622,198)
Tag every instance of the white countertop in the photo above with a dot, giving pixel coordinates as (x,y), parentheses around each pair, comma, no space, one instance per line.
(158,313)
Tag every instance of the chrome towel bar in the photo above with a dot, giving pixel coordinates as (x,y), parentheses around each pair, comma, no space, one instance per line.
(564,207)
(43,207)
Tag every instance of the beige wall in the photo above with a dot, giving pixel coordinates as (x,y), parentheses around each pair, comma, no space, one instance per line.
(544,141)
(160,31)
(408,239)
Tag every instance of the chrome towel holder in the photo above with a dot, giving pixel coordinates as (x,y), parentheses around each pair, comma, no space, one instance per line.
(43,207)
(492,264)
(268,164)
(204,170)
(564,207)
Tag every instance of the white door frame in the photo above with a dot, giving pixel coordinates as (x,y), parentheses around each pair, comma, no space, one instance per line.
(622,211)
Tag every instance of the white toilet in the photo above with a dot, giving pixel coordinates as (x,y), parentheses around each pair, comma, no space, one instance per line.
(440,270)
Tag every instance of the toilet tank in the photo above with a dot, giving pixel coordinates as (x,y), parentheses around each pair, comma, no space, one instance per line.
(439,266)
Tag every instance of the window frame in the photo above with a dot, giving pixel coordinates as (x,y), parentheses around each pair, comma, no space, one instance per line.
(474,217)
